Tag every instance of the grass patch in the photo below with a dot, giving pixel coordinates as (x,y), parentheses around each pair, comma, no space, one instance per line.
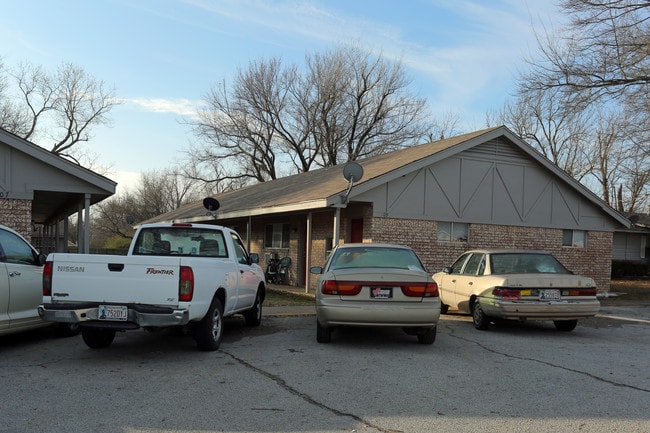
(637,291)
(278,298)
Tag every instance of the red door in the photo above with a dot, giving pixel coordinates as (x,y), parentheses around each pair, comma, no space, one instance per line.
(356,230)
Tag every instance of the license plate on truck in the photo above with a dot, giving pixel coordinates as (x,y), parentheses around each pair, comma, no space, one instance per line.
(113,312)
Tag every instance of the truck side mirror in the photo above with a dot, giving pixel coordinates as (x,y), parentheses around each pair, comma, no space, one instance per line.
(254,257)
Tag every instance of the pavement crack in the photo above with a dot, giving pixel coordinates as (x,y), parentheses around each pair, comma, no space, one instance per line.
(283,384)
(550,364)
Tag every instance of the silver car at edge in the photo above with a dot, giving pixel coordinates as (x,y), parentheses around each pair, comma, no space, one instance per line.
(21,285)
(372,284)
(516,284)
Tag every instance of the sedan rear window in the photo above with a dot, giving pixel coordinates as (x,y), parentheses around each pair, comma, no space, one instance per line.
(527,263)
(375,257)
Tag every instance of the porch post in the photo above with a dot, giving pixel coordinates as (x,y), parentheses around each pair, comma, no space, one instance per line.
(337,226)
(308,252)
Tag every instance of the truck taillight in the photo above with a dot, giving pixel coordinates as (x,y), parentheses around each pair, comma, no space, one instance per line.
(47,279)
(186,284)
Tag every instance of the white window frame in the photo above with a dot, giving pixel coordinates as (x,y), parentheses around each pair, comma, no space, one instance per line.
(452,232)
(279,238)
(578,238)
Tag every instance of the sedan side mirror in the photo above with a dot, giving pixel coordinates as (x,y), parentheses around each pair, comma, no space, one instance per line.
(447,269)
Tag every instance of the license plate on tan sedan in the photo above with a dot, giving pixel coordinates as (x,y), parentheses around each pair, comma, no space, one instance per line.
(113,312)
(381,292)
(549,295)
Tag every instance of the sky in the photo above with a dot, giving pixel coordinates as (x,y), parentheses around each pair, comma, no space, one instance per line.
(163,56)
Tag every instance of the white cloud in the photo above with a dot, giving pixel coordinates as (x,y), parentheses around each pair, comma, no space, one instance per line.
(127,181)
(180,106)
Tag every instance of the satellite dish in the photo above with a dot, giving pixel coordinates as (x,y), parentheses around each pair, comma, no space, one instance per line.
(211,204)
(352,172)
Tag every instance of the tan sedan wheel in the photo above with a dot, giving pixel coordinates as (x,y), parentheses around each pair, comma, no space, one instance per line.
(481,321)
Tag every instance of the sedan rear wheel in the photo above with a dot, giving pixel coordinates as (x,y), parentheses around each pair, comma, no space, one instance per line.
(427,335)
(323,333)
(565,325)
(481,321)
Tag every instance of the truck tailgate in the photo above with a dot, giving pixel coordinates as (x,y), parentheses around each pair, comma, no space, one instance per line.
(119,279)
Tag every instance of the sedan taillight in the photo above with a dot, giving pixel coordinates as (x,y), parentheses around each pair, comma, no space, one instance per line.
(590,291)
(507,294)
(342,288)
(421,290)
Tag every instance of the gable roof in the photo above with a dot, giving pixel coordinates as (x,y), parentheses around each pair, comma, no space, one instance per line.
(323,188)
(54,184)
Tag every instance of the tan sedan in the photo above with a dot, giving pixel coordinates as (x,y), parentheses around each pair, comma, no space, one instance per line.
(516,284)
(368,284)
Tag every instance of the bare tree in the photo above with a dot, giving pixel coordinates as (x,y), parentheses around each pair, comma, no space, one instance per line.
(608,153)
(553,126)
(636,180)
(599,63)
(363,106)
(445,126)
(54,110)
(603,54)
(158,192)
(346,105)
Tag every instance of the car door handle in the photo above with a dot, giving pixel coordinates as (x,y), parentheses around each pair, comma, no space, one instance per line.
(14,274)
(471,283)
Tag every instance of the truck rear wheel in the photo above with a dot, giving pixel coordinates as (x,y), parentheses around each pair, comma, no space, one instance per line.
(97,338)
(209,331)
(253,317)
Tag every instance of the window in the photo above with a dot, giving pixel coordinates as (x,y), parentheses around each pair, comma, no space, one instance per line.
(276,236)
(475,265)
(240,250)
(574,238)
(15,250)
(458,264)
(181,241)
(452,232)
(643,246)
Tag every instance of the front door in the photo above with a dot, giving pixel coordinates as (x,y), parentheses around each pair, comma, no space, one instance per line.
(356,230)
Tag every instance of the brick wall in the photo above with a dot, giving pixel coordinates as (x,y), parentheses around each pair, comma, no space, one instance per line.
(17,214)
(593,261)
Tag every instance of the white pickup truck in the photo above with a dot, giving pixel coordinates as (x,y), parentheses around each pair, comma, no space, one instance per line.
(187,275)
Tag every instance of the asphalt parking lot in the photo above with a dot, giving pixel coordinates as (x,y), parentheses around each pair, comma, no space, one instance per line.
(277,378)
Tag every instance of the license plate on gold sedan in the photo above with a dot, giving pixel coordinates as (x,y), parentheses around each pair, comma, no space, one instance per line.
(381,292)
(549,295)
(118,313)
